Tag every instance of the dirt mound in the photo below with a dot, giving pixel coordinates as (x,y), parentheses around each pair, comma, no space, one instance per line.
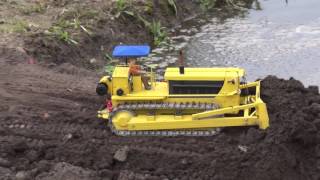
(48,118)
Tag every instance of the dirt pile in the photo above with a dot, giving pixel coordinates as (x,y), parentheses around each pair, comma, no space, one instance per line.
(48,120)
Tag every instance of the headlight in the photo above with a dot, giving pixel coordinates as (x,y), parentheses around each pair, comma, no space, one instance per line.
(102,89)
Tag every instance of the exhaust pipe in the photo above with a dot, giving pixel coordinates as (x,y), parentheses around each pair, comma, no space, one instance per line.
(181,67)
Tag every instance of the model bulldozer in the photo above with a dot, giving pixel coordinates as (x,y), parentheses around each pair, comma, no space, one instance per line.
(188,102)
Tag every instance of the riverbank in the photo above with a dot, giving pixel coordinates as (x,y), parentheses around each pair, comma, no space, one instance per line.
(82,33)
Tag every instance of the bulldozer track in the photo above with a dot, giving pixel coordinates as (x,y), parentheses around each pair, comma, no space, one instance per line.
(132,107)
(159,106)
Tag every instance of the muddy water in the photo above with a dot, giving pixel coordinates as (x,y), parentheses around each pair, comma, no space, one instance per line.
(274,37)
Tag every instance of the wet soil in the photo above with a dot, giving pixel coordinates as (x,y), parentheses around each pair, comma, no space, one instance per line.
(48,130)
(105,28)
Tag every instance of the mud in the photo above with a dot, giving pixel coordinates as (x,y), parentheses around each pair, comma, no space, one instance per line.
(107,31)
(48,130)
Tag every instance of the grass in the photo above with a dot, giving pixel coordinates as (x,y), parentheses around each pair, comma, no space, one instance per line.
(207,4)
(14,26)
(108,57)
(37,8)
(122,6)
(59,30)
(148,7)
(158,32)
(172,4)
(62,35)
(110,64)
(19,26)
(76,23)
(63,27)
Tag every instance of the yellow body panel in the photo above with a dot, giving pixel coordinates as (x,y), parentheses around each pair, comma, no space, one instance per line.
(121,72)
(228,98)
(203,73)
(137,84)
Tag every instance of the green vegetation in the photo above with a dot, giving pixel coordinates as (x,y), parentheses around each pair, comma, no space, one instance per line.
(37,8)
(62,34)
(121,7)
(148,7)
(59,30)
(14,26)
(159,33)
(76,23)
(109,69)
(207,4)
(63,28)
(172,4)
(110,64)
(19,26)
(108,57)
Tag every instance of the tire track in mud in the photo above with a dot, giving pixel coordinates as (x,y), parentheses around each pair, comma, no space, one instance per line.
(58,129)
(64,131)
(61,131)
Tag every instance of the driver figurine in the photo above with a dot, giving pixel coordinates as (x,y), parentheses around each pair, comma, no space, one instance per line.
(135,70)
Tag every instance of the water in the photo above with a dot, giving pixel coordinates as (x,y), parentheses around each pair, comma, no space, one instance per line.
(282,39)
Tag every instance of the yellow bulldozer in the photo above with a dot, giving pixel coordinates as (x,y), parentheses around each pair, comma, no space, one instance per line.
(188,102)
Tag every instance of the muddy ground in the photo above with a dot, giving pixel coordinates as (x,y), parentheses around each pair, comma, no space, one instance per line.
(83,33)
(48,130)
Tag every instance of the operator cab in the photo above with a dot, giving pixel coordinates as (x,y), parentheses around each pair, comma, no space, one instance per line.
(127,78)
